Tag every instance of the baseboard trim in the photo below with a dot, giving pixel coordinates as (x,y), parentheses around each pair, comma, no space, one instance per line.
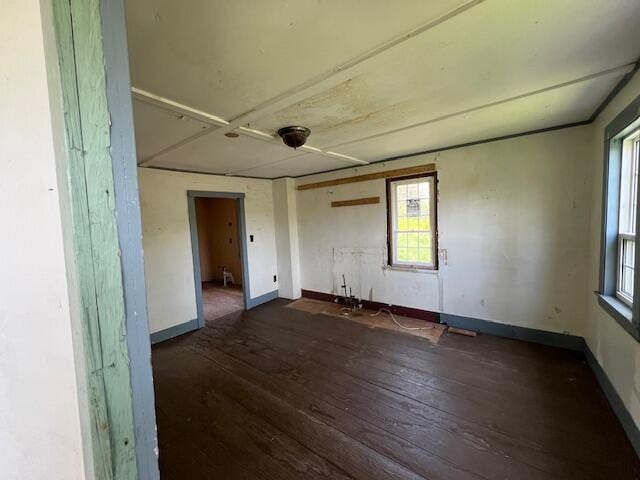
(619,408)
(327,297)
(371,305)
(174,331)
(267,297)
(192,325)
(543,337)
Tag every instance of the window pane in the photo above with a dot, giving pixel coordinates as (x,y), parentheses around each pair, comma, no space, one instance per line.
(629,184)
(413,254)
(412,191)
(424,223)
(402,223)
(401,239)
(634,188)
(423,189)
(413,223)
(626,263)
(402,208)
(424,240)
(425,255)
(401,192)
(629,253)
(413,207)
(628,281)
(402,255)
(412,239)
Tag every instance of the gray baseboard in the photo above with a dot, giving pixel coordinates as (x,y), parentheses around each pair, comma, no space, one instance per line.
(630,427)
(191,325)
(561,340)
(267,297)
(174,331)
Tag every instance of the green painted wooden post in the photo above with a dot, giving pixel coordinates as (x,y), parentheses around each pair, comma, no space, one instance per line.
(96,249)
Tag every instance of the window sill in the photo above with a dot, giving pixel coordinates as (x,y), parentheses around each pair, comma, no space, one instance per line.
(398,268)
(620,312)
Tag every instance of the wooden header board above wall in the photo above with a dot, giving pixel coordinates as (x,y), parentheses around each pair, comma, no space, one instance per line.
(399,172)
(357,201)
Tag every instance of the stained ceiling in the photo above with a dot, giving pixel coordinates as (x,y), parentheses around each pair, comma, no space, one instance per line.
(372,79)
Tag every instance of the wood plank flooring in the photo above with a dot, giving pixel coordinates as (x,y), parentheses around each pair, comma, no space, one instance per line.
(277,394)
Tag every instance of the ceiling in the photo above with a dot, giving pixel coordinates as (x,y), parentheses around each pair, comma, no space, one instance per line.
(372,79)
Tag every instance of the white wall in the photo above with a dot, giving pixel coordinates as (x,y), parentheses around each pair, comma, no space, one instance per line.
(40,435)
(286,225)
(167,242)
(513,221)
(617,352)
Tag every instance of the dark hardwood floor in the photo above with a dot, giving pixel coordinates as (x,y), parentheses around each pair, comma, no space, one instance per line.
(277,393)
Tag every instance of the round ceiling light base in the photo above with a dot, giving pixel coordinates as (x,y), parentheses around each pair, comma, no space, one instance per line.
(294,136)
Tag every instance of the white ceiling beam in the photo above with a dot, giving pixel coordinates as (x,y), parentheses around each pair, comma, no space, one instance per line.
(338,156)
(260,135)
(171,105)
(270,164)
(620,70)
(215,123)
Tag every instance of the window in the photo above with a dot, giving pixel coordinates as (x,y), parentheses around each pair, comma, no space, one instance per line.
(627,217)
(412,238)
(619,266)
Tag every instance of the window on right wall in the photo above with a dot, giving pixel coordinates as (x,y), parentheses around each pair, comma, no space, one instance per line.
(619,264)
(627,217)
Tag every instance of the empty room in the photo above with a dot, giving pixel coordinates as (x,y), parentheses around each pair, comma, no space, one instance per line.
(351,240)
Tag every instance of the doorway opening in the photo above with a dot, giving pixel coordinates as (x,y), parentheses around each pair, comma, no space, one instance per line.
(219,254)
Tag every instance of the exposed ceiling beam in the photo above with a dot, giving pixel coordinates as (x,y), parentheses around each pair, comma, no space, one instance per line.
(338,156)
(304,150)
(620,70)
(270,164)
(168,104)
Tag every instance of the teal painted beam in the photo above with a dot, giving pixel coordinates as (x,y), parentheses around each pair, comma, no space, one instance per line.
(96,261)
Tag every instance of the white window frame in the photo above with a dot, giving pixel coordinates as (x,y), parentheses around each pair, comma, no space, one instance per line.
(393,219)
(620,293)
(614,221)
(627,214)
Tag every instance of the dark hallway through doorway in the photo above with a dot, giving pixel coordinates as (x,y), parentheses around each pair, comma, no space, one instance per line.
(220,256)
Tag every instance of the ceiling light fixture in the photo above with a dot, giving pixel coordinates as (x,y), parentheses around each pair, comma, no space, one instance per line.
(294,137)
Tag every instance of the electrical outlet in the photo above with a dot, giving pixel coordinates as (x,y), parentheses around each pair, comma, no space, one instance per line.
(251,238)
(275,279)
